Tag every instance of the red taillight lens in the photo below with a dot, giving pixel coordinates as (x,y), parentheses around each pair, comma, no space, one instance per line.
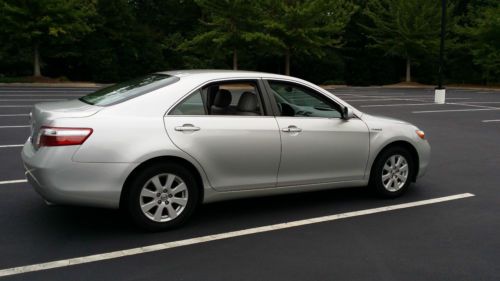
(53,136)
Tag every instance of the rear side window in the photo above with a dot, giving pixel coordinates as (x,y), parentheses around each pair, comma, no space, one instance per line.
(238,97)
(128,90)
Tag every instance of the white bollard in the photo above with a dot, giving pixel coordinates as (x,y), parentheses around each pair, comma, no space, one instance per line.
(440,96)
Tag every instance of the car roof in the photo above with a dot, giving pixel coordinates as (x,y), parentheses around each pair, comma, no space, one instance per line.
(221,73)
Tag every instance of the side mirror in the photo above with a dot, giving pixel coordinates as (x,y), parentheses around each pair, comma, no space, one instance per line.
(347,113)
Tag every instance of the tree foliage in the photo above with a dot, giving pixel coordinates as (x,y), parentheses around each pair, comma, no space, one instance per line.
(482,33)
(306,27)
(229,24)
(358,42)
(35,22)
(404,28)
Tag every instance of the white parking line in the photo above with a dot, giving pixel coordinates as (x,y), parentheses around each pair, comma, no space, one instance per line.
(11,145)
(41,95)
(402,99)
(220,236)
(455,110)
(397,104)
(11,127)
(488,121)
(16,105)
(384,99)
(29,99)
(481,102)
(12,115)
(44,91)
(11,182)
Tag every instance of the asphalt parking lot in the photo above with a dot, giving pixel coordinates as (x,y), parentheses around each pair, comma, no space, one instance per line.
(448,240)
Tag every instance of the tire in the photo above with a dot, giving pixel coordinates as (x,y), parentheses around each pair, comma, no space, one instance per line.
(386,169)
(162,196)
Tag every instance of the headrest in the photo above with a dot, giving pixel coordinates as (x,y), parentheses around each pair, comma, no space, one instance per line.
(248,102)
(223,98)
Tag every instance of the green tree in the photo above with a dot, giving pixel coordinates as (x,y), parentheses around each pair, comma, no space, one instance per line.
(482,34)
(228,25)
(405,28)
(35,22)
(306,26)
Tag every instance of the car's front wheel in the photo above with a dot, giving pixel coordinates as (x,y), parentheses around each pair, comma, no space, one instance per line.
(392,172)
(162,196)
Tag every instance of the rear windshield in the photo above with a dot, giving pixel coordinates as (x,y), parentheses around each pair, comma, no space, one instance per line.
(128,90)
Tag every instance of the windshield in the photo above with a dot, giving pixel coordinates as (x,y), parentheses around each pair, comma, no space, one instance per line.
(130,89)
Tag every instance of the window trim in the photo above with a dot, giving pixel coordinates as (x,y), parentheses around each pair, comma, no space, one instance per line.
(274,105)
(264,99)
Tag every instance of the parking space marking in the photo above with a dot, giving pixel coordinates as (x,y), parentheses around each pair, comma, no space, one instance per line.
(397,104)
(11,182)
(481,102)
(30,99)
(376,99)
(43,91)
(402,99)
(41,95)
(11,145)
(12,115)
(16,105)
(220,236)
(12,127)
(454,110)
(488,121)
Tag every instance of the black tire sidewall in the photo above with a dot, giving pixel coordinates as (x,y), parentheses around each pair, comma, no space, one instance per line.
(376,174)
(133,205)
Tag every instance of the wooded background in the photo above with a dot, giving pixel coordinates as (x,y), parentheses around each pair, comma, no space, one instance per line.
(353,42)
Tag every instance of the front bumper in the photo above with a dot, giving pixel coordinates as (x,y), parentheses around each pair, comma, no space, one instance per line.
(60,180)
(424,154)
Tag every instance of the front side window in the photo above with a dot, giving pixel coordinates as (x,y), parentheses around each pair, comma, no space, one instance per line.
(130,89)
(240,98)
(295,100)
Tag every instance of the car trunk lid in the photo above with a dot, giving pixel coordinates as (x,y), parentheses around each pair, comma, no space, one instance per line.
(43,114)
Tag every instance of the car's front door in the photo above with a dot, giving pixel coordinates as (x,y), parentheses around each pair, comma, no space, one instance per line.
(318,146)
(226,128)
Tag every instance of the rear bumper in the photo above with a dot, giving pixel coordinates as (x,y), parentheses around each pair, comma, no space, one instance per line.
(60,180)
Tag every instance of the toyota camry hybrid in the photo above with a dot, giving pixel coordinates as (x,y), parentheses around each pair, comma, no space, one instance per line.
(159,145)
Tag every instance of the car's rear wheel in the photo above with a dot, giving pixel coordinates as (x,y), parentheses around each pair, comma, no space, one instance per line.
(162,196)
(392,172)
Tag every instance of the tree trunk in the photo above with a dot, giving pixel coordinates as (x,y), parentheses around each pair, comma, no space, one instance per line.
(287,62)
(36,61)
(408,70)
(235,59)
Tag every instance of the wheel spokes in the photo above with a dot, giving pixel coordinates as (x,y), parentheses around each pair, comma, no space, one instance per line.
(159,212)
(171,212)
(179,188)
(157,183)
(179,201)
(148,193)
(148,206)
(170,181)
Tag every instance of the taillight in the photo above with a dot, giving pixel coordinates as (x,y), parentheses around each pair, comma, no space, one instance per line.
(54,136)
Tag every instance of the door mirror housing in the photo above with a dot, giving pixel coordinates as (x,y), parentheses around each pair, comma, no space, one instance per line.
(347,113)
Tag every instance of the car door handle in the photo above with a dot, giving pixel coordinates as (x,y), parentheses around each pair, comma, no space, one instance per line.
(187,128)
(292,129)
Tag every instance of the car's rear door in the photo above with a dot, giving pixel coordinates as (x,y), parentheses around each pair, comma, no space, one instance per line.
(318,146)
(239,148)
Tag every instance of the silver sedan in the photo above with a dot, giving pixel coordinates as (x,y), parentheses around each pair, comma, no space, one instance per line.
(160,145)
